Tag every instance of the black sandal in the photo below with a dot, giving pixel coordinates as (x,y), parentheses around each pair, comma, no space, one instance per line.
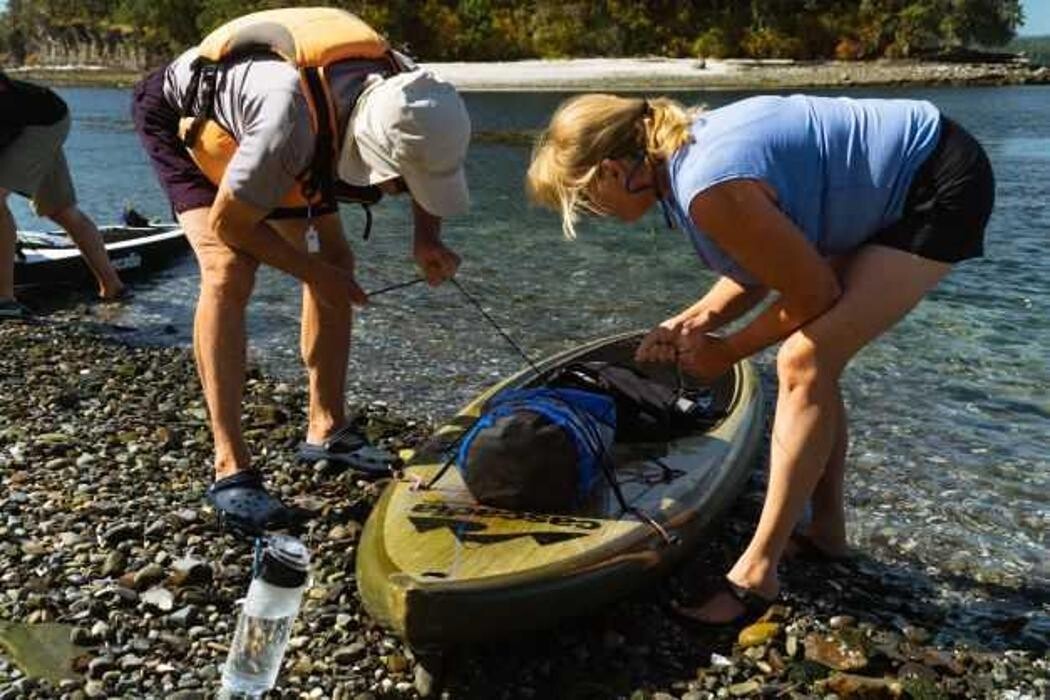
(246,508)
(754,607)
(350,448)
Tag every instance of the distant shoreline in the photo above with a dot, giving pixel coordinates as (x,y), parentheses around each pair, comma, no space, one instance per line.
(650,74)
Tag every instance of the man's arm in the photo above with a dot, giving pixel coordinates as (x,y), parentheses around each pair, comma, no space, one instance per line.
(436,261)
(236,223)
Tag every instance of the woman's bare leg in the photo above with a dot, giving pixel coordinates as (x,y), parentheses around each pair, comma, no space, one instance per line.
(880,286)
(827,527)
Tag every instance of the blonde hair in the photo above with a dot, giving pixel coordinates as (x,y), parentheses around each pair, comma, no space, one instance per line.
(590,128)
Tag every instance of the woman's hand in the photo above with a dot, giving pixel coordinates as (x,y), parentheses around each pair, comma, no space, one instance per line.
(704,356)
(333,285)
(437,262)
(661,343)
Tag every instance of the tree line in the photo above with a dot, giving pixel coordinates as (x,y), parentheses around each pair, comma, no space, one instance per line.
(513,29)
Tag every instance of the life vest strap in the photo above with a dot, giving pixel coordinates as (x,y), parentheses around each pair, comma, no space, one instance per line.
(205,76)
(320,175)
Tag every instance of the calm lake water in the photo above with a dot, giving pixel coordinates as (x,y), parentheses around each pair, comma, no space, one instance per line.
(950,411)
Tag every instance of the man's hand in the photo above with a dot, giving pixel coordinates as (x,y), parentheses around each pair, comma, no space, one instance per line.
(333,285)
(661,343)
(437,262)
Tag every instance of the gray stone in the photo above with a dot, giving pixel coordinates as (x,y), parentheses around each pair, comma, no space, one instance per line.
(99,665)
(183,617)
(114,564)
(148,576)
(94,689)
(190,571)
(159,598)
(344,656)
(122,532)
(130,662)
(187,695)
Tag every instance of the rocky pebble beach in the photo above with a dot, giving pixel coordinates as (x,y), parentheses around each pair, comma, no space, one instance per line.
(107,545)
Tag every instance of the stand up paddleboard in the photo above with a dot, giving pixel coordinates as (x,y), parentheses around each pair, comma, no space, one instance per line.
(437,568)
(52,259)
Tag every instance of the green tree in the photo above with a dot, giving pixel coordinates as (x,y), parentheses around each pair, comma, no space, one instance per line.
(508,29)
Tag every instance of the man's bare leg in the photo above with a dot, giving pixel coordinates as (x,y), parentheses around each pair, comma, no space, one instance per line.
(220,337)
(325,330)
(8,238)
(88,239)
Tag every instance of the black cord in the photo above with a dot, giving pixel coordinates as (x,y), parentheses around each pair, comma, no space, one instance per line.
(590,430)
(495,325)
(392,287)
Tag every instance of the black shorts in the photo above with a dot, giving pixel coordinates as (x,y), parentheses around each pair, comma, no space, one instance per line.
(948,203)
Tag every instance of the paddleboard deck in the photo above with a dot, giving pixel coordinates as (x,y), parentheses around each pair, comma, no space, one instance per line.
(436,567)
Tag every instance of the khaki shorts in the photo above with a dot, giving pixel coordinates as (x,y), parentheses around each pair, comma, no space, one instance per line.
(34,166)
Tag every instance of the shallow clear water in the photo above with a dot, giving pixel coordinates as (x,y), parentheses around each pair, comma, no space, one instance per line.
(949,462)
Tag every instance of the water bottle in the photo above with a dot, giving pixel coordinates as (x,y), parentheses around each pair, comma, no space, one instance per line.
(266,618)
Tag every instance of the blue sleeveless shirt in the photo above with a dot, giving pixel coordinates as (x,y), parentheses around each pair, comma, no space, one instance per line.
(840,167)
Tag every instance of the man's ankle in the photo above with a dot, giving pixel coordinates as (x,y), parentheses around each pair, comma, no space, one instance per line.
(227,471)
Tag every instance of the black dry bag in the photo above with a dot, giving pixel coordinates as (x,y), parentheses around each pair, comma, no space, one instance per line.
(647,410)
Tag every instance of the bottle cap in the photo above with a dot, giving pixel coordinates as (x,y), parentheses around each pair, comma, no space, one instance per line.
(285,561)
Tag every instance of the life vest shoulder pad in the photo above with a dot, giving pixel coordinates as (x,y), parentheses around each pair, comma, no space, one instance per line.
(304,36)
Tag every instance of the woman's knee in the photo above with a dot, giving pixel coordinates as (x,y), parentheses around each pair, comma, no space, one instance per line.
(804,365)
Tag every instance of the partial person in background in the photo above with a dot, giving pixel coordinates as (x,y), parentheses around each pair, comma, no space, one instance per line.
(34,123)
(847,211)
(252,134)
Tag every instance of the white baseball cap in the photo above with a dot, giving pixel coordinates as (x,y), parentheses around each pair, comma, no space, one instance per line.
(412,125)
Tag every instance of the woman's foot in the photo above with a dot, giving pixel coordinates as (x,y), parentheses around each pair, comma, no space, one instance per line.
(814,546)
(727,604)
(748,586)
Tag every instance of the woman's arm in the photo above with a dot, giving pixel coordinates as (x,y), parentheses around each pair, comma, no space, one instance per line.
(726,301)
(742,218)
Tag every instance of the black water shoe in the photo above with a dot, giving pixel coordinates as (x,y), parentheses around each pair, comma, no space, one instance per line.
(246,508)
(11,310)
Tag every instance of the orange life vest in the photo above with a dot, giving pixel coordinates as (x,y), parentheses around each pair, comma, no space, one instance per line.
(311,39)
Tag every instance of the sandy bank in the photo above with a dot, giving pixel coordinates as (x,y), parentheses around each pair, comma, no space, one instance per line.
(625,74)
(694,74)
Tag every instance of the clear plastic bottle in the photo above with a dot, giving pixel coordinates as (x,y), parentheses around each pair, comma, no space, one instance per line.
(266,618)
